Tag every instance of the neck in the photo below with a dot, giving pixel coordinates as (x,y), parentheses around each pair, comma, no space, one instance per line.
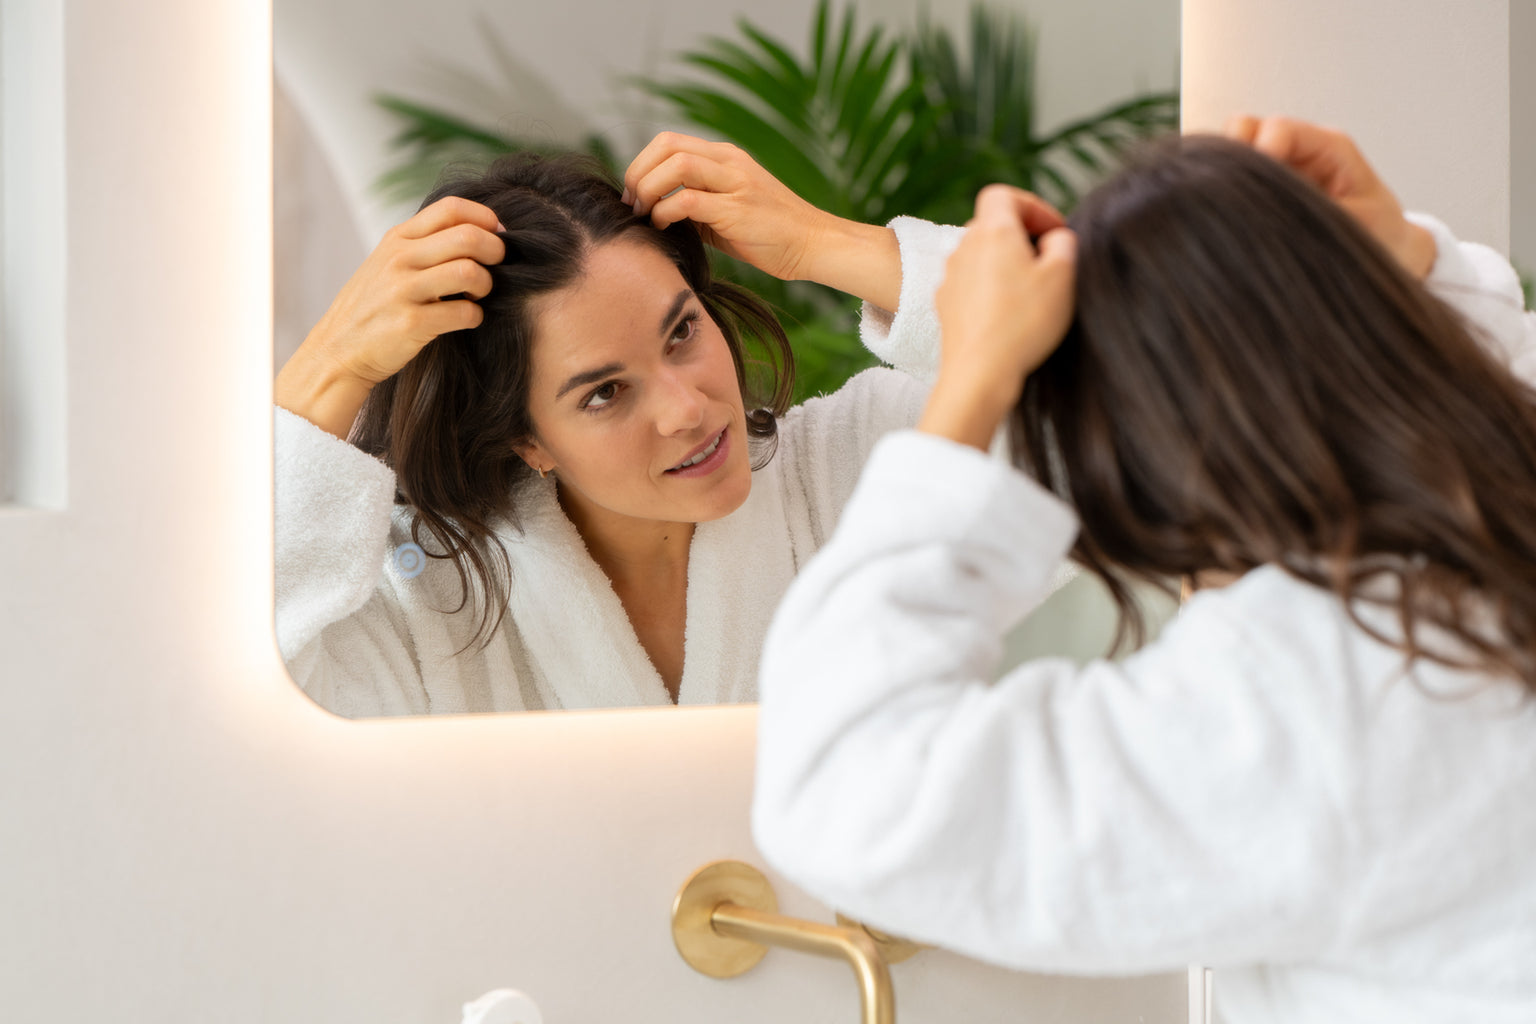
(630,551)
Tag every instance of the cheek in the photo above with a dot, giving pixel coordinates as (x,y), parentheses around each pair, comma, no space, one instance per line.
(722,371)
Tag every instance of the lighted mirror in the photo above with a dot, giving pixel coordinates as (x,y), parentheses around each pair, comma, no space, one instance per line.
(603,431)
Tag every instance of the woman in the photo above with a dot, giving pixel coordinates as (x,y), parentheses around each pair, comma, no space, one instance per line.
(1321,779)
(556,474)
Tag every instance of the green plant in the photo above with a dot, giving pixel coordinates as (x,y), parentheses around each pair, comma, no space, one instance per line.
(866,125)
(431,139)
(985,104)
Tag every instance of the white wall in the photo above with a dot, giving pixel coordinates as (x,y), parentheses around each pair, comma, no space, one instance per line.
(1522,131)
(1423,87)
(183,836)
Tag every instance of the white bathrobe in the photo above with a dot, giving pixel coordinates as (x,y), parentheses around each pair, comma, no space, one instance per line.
(362,638)
(1260,790)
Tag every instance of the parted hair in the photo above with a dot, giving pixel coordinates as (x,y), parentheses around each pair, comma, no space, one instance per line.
(1251,379)
(450,421)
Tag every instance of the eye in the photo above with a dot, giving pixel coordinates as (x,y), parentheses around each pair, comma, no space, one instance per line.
(600,397)
(686,328)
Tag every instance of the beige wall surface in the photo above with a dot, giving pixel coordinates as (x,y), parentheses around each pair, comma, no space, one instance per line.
(1423,87)
(186,838)
(1522,133)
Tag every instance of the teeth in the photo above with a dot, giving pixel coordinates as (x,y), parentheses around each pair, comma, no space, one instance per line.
(706,453)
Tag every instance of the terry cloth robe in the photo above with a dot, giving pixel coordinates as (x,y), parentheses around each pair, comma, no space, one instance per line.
(1261,790)
(364,638)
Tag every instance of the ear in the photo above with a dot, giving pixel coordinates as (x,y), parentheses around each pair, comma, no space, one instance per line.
(534,454)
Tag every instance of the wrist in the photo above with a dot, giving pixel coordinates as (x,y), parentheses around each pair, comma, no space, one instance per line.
(967,414)
(321,391)
(862,260)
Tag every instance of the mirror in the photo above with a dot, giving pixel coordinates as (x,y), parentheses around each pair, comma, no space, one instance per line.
(372,638)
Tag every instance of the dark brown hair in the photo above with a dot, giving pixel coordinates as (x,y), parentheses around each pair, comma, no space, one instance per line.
(1251,379)
(448,423)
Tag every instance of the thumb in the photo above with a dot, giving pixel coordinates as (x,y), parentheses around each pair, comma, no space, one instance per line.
(1058,245)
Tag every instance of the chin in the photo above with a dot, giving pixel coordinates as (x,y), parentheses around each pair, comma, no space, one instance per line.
(728,495)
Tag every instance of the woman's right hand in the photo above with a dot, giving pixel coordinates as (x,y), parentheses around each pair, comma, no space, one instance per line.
(419,282)
(1004,306)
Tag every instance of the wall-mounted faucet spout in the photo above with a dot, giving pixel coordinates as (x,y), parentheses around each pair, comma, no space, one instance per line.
(726,916)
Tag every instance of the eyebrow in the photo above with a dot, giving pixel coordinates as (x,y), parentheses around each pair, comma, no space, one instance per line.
(609,369)
(588,377)
(674,309)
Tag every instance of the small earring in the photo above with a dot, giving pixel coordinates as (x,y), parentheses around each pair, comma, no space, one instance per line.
(541,472)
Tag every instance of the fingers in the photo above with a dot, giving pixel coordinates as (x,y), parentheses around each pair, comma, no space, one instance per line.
(441,318)
(686,203)
(1241,128)
(455,278)
(679,173)
(1328,158)
(658,152)
(447,212)
(1282,138)
(458,241)
(1059,245)
(1003,305)
(1006,203)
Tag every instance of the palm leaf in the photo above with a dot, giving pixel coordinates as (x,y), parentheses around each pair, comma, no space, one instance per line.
(428,126)
(434,140)
(736,65)
(843,128)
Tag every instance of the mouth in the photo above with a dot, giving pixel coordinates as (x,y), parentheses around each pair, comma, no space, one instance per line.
(703,459)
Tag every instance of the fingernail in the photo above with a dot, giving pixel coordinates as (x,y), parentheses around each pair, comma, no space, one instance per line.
(627,199)
(501,228)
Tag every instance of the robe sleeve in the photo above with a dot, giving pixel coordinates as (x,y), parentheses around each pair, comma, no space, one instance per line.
(1064,818)
(829,438)
(344,641)
(1481,285)
(908,338)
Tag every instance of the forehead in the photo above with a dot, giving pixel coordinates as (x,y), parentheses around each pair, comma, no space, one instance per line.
(625,289)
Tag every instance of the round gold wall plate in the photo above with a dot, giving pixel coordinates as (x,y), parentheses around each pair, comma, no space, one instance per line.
(705,950)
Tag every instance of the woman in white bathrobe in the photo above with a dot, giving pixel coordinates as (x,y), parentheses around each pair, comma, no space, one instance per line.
(1321,779)
(560,492)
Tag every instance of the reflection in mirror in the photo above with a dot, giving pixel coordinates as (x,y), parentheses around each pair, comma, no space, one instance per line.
(536,449)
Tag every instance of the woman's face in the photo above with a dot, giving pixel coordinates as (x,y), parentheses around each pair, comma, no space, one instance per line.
(633,397)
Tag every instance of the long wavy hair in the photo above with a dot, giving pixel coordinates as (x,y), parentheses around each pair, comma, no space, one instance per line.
(1250,379)
(450,421)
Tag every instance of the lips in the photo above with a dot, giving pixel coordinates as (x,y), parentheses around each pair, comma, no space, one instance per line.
(701,453)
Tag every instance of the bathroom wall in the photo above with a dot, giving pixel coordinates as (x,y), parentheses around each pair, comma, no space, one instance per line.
(1426,89)
(1522,133)
(183,836)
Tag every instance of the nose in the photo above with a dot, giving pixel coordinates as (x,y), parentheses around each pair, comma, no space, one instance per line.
(679,404)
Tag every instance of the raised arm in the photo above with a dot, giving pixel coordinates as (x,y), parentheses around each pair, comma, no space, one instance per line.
(1473,279)
(747,213)
(342,617)
(419,282)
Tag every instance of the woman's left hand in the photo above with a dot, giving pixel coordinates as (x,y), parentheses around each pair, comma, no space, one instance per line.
(740,208)
(1003,308)
(745,212)
(1331,161)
